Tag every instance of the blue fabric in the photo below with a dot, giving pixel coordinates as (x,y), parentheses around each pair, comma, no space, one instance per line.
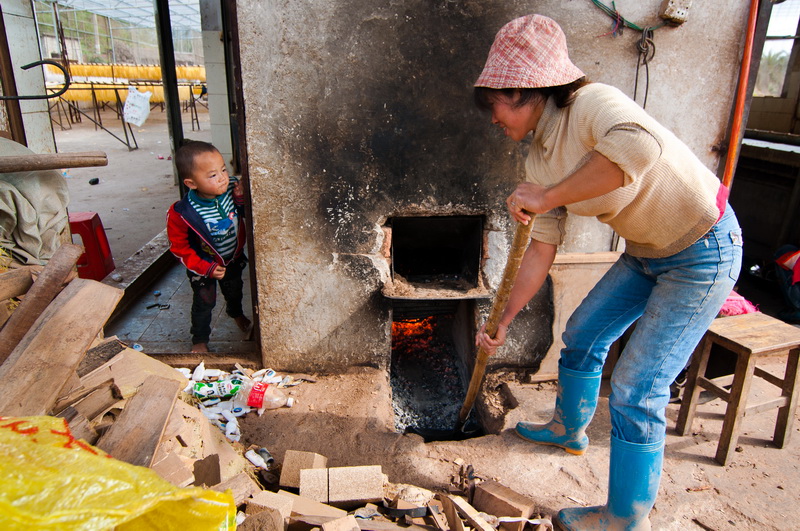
(674,299)
(575,405)
(633,479)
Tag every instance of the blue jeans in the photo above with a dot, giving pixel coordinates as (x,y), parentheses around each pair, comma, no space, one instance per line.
(675,299)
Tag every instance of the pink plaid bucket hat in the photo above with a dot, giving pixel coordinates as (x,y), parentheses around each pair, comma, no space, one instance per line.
(529,52)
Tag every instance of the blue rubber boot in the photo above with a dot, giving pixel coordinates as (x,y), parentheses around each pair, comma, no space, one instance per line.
(632,489)
(575,405)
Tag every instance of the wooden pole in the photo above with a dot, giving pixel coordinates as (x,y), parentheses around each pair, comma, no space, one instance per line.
(52,161)
(522,238)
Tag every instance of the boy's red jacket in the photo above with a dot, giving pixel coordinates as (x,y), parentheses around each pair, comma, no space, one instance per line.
(191,242)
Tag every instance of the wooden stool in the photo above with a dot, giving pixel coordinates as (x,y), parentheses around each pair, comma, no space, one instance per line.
(750,337)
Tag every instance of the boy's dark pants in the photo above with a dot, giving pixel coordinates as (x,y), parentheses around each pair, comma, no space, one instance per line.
(205,298)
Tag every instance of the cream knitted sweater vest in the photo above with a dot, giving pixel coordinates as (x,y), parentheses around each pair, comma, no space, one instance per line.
(668,200)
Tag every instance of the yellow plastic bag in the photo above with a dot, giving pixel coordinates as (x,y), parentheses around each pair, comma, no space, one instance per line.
(50,480)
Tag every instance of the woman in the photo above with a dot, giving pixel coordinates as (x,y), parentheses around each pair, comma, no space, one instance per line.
(595,152)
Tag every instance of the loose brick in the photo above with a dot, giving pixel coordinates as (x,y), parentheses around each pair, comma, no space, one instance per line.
(314,484)
(294,461)
(355,485)
(496,499)
(267,520)
(270,500)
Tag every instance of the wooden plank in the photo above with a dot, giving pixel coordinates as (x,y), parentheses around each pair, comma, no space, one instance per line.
(436,515)
(241,485)
(137,432)
(174,468)
(140,270)
(129,369)
(96,403)
(453,520)
(15,282)
(39,296)
(52,161)
(54,346)
(79,425)
(470,514)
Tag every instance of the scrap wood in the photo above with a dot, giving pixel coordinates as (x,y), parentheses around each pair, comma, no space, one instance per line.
(202,439)
(129,369)
(79,425)
(436,515)
(302,507)
(135,435)
(241,485)
(99,401)
(15,282)
(39,296)
(54,346)
(73,391)
(470,514)
(453,520)
(175,469)
(364,525)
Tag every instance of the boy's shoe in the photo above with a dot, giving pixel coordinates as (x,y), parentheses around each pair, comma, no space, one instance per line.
(243,323)
(200,347)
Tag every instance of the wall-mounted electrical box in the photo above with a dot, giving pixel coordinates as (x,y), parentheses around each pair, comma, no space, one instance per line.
(675,11)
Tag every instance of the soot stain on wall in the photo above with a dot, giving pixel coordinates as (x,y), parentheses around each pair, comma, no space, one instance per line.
(392,129)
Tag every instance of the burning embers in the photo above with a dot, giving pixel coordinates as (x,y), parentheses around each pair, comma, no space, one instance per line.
(427,389)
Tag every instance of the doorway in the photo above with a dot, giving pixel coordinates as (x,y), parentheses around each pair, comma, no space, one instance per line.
(178,53)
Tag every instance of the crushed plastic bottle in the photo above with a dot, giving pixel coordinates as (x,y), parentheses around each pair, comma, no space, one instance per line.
(256,459)
(261,395)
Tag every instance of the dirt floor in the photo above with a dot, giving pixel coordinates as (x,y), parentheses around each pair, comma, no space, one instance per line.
(348,418)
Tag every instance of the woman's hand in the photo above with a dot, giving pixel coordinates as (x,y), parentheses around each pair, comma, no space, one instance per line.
(528,197)
(489,345)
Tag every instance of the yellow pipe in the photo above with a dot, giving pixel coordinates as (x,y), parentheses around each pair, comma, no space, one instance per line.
(132,72)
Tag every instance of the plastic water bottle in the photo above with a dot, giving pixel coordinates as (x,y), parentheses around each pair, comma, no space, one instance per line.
(261,395)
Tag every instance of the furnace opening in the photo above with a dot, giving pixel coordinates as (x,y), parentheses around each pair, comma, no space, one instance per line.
(441,250)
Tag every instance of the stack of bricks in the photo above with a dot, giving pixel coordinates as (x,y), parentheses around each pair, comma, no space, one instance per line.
(350,486)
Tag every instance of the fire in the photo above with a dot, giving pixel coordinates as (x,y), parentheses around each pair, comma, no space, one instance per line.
(413,334)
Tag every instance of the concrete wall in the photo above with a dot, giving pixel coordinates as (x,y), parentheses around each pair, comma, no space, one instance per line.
(216,76)
(359,110)
(21,35)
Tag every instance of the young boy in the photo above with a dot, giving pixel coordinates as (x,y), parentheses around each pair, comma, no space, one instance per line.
(206,232)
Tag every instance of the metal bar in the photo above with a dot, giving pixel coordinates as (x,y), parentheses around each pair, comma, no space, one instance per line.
(74,107)
(166,51)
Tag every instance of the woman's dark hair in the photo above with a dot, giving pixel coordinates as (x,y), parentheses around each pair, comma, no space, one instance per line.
(184,156)
(562,94)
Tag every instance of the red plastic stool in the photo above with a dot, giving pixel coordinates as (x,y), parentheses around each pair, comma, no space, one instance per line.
(96,261)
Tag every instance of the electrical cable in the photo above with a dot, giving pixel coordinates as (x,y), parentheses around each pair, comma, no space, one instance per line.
(646,46)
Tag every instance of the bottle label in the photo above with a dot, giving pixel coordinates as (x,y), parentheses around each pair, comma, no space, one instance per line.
(219,389)
(256,397)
